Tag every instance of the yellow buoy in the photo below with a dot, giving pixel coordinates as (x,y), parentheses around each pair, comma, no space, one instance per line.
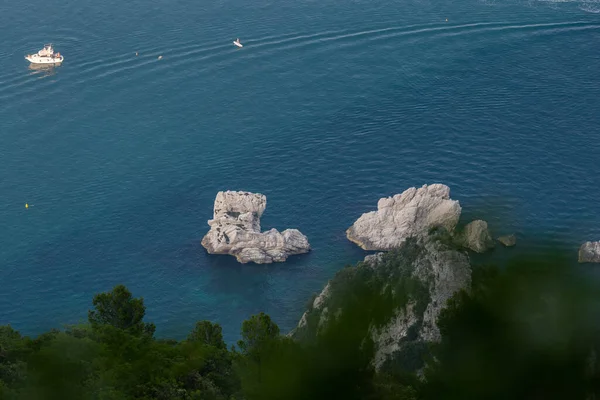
(26,205)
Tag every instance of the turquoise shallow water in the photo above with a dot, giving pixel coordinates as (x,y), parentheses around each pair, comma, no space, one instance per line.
(328,107)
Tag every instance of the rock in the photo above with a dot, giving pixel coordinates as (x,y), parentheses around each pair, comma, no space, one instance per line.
(443,271)
(390,338)
(508,240)
(320,299)
(410,214)
(435,271)
(235,230)
(589,252)
(373,259)
(476,236)
(317,306)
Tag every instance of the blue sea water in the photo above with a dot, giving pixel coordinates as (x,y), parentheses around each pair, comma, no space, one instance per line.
(329,106)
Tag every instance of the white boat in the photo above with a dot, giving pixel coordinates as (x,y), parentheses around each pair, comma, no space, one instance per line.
(237,43)
(45,56)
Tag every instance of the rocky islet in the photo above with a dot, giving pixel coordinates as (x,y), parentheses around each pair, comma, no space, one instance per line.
(235,230)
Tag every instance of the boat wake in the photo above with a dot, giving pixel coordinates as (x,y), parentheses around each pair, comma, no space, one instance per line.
(218,54)
(589,6)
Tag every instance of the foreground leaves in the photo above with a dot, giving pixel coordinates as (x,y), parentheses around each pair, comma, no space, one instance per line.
(529,330)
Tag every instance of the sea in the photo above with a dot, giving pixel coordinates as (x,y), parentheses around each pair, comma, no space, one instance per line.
(329,106)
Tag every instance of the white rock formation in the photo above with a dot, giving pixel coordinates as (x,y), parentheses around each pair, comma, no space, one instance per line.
(412,213)
(235,230)
(589,252)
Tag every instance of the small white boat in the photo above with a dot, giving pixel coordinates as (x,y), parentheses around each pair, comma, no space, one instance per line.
(237,43)
(45,56)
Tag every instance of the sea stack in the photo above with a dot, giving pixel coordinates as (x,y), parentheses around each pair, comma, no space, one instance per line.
(235,230)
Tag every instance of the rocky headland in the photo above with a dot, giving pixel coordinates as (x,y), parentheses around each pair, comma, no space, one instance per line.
(422,262)
(235,230)
(412,284)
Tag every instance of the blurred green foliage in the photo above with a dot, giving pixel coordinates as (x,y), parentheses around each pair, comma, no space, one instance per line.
(526,330)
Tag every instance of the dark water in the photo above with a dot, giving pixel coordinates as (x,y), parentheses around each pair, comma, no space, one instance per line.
(328,107)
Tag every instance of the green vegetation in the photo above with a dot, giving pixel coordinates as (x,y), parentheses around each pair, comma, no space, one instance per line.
(372,295)
(527,330)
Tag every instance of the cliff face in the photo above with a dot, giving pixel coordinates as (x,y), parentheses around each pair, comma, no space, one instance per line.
(408,288)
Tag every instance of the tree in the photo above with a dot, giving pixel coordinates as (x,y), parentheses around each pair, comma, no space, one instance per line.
(259,337)
(119,309)
(62,368)
(526,332)
(13,352)
(207,333)
(390,387)
(256,332)
(205,368)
